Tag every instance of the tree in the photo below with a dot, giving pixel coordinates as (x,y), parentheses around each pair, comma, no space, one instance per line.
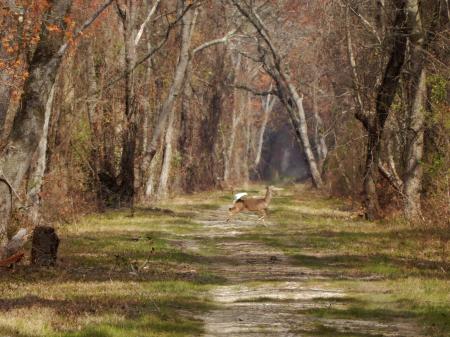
(30,119)
(374,122)
(286,91)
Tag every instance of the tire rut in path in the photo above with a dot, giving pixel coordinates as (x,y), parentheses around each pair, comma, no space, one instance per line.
(268,292)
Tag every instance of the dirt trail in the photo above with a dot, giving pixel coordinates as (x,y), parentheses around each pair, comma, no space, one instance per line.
(267,292)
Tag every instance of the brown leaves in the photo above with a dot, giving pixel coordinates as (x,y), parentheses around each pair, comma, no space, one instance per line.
(53,28)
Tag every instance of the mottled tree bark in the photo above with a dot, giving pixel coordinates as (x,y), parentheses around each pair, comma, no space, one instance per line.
(415,78)
(30,117)
(37,175)
(5,95)
(6,83)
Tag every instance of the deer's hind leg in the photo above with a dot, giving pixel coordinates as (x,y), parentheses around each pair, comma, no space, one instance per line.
(232,211)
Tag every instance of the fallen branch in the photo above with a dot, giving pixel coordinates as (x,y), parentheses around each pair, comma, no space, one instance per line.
(12,260)
(391,178)
(16,243)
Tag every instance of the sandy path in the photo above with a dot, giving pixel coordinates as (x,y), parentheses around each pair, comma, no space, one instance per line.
(267,292)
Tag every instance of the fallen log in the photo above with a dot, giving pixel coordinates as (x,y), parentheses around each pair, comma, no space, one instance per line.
(16,243)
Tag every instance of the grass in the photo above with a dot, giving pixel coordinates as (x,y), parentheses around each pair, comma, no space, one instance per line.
(118,276)
(149,275)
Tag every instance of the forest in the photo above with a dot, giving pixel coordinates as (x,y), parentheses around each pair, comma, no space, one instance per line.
(127,126)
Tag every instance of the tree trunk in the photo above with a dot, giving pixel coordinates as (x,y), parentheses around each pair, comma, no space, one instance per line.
(267,104)
(151,179)
(188,25)
(127,13)
(94,124)
(416,90)
(6,197)
(384,99)
(319,137)
(246,159)
(414,152)
(5,94)
(294,104)
(6,78)
(44,247)
(188,22)
(36,178)
(370,176)
(30,117)
(235,120)
(167,159)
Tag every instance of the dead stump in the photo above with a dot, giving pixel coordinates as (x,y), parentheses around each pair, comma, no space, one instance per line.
(44,246)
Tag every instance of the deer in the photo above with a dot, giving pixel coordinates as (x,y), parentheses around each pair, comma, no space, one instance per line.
(259,205)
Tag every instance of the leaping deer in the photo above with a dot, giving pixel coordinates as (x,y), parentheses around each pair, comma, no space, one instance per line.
(259,205)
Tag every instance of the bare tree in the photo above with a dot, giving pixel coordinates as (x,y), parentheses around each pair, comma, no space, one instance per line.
(286,91)
(374,122)
(188,26)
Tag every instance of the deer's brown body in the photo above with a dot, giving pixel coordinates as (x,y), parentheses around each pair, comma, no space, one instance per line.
(258,205)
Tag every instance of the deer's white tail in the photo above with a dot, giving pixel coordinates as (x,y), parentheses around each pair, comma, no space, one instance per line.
(239,196)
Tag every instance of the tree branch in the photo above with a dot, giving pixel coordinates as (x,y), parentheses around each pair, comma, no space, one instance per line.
(360,114)
(255,92)
(84,26)
(366,24)
(147,19)
(214,42)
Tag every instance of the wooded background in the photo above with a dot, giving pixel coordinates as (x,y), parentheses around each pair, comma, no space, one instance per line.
(122,102)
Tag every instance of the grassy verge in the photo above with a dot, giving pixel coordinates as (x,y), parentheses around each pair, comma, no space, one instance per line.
(118,276)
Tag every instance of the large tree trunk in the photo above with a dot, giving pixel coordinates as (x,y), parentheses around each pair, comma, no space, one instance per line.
(37,176)
(385,96)
(127,13)
(30,117)
(5,93)
(416,91)
(6,80)
(414,150)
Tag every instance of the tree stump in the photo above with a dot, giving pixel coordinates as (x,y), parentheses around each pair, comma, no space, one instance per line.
(44,246)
